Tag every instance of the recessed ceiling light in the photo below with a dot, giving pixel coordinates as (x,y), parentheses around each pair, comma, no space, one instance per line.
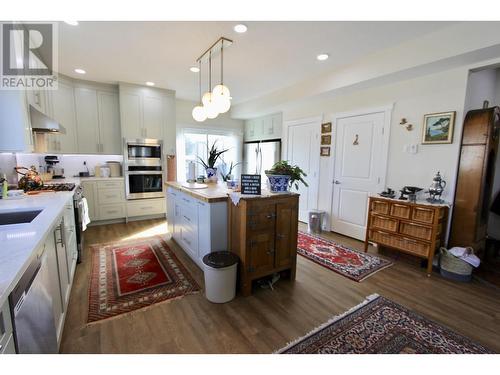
(149,83)
(194,69)
(240,28)
(323,56)
(72,23)
(80,71)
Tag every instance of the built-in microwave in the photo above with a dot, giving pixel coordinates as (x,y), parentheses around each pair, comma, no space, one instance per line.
(143,168)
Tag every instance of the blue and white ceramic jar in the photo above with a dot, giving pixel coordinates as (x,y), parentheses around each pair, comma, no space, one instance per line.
(211,174)
(278,183)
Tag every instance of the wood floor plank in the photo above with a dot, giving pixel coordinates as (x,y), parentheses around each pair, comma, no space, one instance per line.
(268,319)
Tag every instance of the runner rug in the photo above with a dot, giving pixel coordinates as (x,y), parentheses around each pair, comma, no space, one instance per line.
(355,265)
(380,326)
(132,275)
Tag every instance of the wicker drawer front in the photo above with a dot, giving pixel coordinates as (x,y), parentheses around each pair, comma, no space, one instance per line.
(381,207)
(385,238)
(384,223)
(424,215)
(400,210)
(415,247)
(416,230)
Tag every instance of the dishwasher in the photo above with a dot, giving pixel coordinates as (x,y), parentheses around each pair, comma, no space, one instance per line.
(32,312)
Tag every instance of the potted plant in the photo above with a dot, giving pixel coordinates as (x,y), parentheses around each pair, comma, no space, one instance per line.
(227,173)
(282,176)
(213,155)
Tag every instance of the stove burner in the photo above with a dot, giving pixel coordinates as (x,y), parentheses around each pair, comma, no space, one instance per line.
(54,187)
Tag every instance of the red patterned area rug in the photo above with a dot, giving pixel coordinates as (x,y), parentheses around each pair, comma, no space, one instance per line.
(355,265)
(132,275)
(380,326)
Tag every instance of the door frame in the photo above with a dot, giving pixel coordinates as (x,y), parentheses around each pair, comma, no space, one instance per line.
(387,110)
(284,147)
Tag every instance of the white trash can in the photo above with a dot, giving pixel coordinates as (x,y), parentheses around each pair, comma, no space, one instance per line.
(220,269)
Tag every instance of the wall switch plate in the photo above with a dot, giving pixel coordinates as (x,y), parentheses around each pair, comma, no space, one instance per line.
(413,149)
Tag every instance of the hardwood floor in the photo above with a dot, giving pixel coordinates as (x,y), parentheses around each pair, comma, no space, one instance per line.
(267,320)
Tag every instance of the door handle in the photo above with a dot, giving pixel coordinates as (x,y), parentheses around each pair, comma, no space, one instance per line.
(336,182)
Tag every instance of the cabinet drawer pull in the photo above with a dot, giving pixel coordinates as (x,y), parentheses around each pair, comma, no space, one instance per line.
(187,241)
(270,216)
(270,252)
(112,211)
(185,217)
(280,236)
(147,208)
(410,241)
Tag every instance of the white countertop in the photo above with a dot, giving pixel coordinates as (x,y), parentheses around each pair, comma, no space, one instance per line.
(19,242)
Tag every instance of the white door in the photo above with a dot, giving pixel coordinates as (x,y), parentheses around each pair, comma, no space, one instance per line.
(303,150)
(360,167)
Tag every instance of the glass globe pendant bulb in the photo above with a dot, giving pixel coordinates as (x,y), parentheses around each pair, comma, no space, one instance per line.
(211,110)
(221,90)
(207,98)
(199,113)
(223,104)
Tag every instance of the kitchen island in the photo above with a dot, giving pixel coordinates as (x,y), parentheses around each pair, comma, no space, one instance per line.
(261,230)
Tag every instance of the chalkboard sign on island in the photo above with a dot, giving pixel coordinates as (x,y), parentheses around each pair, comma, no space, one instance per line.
(250,184)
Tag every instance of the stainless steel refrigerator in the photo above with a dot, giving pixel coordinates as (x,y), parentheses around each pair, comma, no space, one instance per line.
(258,156)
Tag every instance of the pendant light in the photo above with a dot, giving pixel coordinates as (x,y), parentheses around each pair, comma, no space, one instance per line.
(208,98)
(221,95)
(218,100)
(199,113)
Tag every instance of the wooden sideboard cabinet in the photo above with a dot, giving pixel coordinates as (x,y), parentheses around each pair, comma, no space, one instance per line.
(263,233)
(413,228)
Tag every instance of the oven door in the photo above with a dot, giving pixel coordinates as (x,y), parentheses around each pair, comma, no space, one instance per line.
(144,184)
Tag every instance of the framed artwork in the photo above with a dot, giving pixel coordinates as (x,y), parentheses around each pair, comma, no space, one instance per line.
(438,128)
(325,151)
(326,139)
(326,127)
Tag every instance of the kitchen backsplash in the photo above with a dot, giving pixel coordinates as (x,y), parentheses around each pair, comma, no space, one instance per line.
(7,164)
(72,164)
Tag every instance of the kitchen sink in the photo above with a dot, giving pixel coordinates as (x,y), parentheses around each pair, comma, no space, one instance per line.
(18,217)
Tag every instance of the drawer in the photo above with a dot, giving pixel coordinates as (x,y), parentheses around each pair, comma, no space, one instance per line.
(111,211)
(115,184)
(385,238)
(416,230)
(423,214)
(385,223)
(261,221)
(258,207)
(143,207)
(106,196)
(379,206)
(400,210)
(415,247)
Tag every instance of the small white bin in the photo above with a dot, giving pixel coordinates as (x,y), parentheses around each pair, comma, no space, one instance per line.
(220,269)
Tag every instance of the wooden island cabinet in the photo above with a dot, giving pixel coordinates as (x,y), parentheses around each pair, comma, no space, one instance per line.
(414,228)
(263,231)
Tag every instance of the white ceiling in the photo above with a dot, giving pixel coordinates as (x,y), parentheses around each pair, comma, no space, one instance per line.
(268,57)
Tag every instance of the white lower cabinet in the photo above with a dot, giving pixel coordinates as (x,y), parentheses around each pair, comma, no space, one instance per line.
(6,340)
(106,201)
(197,226)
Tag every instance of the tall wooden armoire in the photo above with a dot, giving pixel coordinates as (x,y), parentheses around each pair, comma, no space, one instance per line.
(475,178)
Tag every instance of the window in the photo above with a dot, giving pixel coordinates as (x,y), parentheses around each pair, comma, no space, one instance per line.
(193,145)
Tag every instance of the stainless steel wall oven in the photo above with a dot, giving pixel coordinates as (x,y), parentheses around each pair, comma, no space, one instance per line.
(143,167)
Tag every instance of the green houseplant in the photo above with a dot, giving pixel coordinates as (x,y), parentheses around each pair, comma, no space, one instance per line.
(283,176)
(213,155)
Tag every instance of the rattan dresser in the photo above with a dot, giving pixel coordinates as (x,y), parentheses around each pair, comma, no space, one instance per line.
(414,228)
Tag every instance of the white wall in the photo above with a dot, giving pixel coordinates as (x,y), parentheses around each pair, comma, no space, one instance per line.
(412,99)
(480,87)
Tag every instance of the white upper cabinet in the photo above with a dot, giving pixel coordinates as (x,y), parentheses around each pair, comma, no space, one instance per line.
(63,111)
(263,128)
(147,112)
(15,128)
(87,118)
(109,123)
(130,115)
(153,117)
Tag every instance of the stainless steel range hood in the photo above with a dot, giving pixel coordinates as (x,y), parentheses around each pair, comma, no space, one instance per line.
(41,123)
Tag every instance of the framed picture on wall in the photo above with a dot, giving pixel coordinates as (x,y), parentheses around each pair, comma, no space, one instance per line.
(438,128)
(325,151)
(326,139)
(326,127)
